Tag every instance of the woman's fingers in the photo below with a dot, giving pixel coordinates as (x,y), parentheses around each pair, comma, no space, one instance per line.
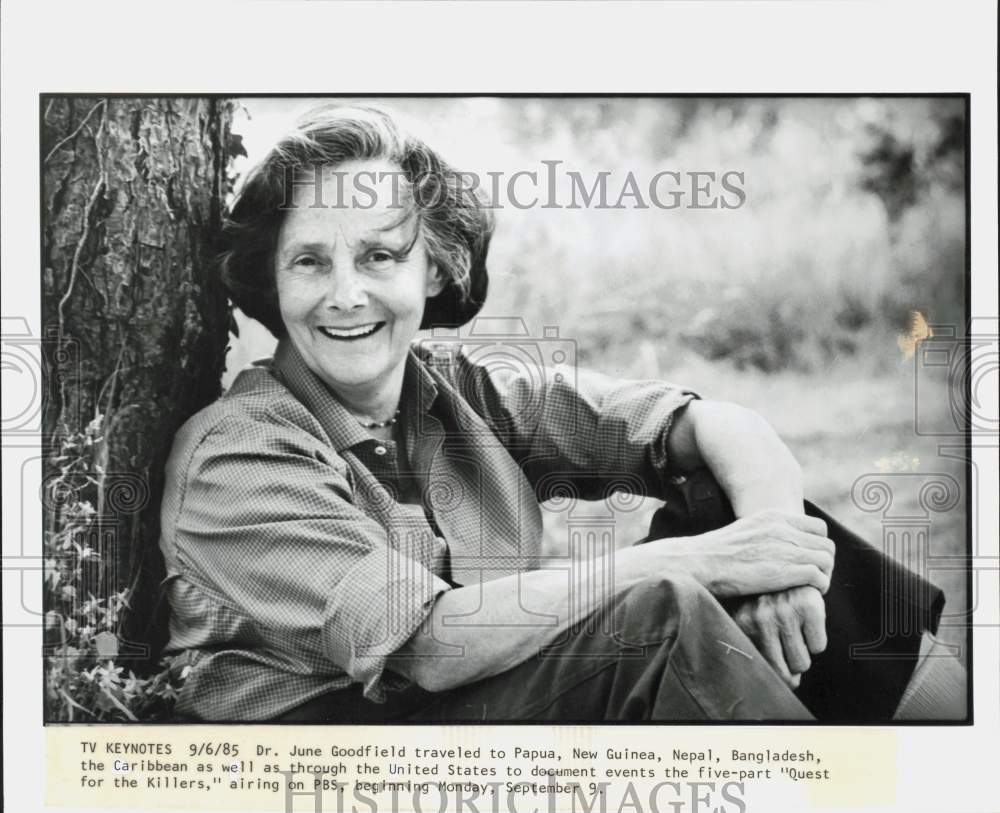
(806,532)
(771,571)
(812,541)
(774,578)
(791,554)
(812,612)
(807,575)
(809,525)
(787,627)
(817,558)
(804,539)
(792,642)
(769,643)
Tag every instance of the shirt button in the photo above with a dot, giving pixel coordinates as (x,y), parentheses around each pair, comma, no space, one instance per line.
(380,450)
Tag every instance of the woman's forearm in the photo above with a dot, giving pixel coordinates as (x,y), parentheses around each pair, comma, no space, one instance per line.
(482,630)
(478,631)
(752,464)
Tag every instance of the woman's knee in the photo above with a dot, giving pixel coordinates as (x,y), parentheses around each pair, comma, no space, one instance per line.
(658,607)
(677,590)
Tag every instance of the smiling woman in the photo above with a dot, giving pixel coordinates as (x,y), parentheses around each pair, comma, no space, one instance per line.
(351,288)
(353,531)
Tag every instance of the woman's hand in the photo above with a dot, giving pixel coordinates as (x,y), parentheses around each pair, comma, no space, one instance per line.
(787,628)
(758,472)
(766,552)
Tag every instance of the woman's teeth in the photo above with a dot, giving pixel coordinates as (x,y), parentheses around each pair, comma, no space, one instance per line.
(351,332)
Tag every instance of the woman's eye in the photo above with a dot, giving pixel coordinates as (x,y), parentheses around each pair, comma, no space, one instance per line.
(305,262)
(379,257)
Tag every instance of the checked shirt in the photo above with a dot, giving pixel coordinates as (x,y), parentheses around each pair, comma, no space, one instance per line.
(301,552)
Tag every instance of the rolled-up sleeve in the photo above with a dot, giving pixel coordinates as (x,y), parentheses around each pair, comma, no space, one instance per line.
(594,430)
(267,527)
(376,607)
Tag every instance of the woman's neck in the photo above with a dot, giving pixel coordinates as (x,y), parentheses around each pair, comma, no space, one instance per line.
(375,401)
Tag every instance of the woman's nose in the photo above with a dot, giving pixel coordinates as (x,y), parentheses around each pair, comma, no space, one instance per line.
(346,290)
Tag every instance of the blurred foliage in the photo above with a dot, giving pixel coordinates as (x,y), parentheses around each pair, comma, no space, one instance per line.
(900,167)
(854,218)
(86,679)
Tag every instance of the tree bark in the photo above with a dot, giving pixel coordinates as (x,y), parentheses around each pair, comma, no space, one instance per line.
(136,319)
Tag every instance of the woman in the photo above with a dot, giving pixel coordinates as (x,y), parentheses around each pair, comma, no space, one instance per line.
(353,533)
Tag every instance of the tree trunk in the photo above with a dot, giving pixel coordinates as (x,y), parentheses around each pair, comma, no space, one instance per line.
(136,326)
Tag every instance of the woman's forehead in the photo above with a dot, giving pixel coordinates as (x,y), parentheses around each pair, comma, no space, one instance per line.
(331,225)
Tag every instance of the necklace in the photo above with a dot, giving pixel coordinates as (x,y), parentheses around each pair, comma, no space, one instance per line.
(379,424)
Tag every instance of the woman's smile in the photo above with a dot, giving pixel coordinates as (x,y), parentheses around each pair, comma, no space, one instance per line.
(351,334)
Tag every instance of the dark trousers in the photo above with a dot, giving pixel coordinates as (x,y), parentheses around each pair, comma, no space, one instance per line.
(666,649)
(876,610)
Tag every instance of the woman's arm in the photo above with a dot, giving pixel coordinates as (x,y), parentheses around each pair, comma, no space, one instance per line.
(767,552)
(757,471)
(591,432)
(744,453)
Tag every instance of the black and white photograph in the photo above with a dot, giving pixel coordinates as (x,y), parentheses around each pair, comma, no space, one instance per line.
(495,409)
(541,407)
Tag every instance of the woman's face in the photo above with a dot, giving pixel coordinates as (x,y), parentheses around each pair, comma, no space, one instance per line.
(352,282)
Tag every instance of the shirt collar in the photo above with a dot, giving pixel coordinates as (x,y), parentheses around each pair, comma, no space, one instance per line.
(419,394)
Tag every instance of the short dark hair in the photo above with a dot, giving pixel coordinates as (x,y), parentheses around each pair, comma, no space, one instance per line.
(456,228)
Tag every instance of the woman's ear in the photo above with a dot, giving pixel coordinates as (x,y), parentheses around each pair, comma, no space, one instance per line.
(435,280)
